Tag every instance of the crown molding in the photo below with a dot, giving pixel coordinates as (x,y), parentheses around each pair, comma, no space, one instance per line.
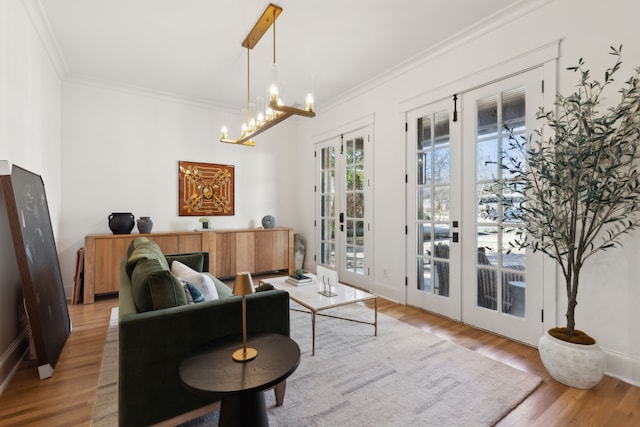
(42,26)
(491,23)
(149,93)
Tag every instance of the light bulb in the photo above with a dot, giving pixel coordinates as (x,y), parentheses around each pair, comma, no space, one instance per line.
(273,92)
(309,102)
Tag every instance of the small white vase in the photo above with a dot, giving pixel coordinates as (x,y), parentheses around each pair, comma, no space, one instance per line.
(575,365)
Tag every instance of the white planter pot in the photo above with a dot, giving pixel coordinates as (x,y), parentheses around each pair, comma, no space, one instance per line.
(575,365)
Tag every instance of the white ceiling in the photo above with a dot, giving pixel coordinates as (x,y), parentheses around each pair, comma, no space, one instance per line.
(192,48)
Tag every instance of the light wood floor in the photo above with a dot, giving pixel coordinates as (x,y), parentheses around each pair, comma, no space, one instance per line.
(67,398)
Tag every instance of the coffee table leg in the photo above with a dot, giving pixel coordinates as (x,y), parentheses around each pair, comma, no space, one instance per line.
(313,333)
(375,321)
(245,409)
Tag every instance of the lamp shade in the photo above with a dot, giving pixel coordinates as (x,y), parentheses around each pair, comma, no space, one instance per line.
(243,284)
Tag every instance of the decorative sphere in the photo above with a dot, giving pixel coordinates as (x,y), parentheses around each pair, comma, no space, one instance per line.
(268,221)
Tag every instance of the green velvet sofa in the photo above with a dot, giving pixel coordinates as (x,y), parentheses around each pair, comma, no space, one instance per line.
(152,344)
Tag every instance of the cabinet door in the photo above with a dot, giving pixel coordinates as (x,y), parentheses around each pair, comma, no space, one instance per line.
(264,251)
(245,252)
(190,243)
(168,244)
(225,255)
(108,252)
(280,250)
(271,250)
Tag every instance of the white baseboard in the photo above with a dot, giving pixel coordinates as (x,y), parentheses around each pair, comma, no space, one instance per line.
(10,360)
(622,367)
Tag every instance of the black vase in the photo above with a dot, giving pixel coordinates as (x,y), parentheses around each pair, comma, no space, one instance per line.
(121,222)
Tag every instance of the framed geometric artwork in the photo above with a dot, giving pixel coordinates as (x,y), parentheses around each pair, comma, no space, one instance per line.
(206,189)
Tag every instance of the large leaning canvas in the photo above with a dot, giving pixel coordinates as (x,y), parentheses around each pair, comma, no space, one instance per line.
(26,205)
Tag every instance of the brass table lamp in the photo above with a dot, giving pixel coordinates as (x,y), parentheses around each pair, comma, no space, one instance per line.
(243,287)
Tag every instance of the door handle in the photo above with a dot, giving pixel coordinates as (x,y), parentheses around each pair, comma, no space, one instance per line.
(455,237)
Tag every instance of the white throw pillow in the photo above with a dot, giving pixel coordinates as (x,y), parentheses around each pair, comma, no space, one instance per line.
(199,280)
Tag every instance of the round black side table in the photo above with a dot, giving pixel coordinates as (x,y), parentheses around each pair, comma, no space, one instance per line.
(212,371)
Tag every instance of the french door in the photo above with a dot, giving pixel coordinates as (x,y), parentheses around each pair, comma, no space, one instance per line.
(506,292)
(434,210)
(343,204)
(464,214)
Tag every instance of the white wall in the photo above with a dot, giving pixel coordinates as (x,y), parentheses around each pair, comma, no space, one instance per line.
(29,137)
(610,292)
(30,92)
(121,154)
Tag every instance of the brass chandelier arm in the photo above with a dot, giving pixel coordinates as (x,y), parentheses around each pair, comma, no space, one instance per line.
(249,136)
(291,110)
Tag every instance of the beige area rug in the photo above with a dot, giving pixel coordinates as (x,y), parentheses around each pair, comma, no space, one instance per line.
(402,377)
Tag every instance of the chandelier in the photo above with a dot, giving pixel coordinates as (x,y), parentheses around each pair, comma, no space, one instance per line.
(257,118)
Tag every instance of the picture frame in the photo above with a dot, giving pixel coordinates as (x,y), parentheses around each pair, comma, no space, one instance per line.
(205,189)
(24,200)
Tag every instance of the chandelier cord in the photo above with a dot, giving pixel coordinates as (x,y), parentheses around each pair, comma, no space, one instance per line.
(248,85)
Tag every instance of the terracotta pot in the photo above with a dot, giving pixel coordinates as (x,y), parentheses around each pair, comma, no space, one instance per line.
(575,365)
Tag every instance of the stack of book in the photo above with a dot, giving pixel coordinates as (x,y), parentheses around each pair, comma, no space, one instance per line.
(299,280)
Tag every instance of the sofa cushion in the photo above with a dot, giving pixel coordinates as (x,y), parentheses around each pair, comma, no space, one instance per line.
(201,281)
(195,261)
(146,250)
(154,288)
(224,291)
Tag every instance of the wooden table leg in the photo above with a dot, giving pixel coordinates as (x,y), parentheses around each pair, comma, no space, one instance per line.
(313,333)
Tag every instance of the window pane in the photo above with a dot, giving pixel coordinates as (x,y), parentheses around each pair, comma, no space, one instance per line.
(424,204)
(424,239)
(424,133)
(487,116)
(359,150)
(423,168)
(441,171)
(359,178)
(442,203)
(424,275)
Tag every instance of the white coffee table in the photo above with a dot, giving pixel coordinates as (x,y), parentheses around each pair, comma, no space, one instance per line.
(310,297)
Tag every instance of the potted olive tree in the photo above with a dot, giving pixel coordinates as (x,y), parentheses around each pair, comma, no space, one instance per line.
(583,196)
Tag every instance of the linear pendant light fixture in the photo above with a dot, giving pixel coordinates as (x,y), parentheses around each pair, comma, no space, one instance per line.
(258,121)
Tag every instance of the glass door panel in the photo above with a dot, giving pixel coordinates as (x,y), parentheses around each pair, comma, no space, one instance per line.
(500,271)
(327,198)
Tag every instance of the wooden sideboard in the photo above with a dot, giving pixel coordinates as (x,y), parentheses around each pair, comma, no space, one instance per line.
(230,251)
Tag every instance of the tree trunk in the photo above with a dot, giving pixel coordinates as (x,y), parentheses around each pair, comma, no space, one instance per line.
(572,301)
